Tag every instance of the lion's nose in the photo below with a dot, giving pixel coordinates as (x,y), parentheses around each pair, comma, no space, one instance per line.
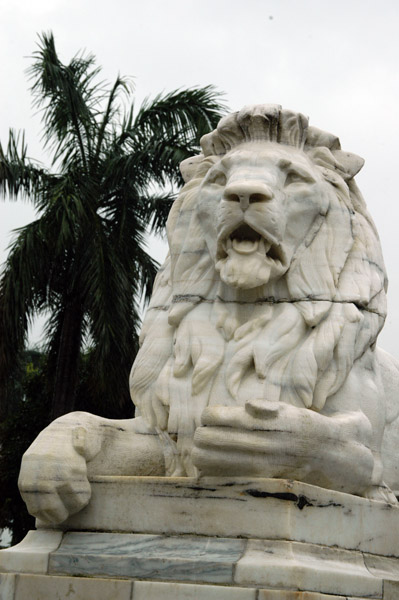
(248,192)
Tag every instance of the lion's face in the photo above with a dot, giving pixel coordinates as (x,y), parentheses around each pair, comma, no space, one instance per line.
(256,205)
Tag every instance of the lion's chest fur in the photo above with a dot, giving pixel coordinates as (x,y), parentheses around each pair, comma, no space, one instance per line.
(239,351)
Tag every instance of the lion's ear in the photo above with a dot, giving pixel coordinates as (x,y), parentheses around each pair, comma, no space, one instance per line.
(345,164)
(325,150)
(196,167)
(188,167)
(350,164)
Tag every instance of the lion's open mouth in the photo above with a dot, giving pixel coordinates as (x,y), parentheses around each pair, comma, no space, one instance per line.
(245,240)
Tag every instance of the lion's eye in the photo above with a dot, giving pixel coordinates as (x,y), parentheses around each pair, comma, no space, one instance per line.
(296,177)
(218,179)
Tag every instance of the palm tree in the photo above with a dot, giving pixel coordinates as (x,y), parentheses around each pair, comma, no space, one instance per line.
(112,178)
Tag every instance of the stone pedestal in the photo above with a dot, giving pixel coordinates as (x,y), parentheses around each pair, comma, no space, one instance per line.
(145,538)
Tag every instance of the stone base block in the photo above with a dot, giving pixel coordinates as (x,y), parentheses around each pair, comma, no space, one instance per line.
(183,539)
(42,587)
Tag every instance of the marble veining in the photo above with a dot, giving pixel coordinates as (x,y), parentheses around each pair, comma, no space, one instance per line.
(240,507)
(286,556)
(147,556)
(244,563)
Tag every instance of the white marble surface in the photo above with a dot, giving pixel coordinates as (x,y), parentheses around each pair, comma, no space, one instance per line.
(7,586)
(54,473)
(39,587)
(263,508)
(257,353)
(294,565)
(145,590)
(32,554)
(271,535)
(36,587)
(134,563)
(391,590)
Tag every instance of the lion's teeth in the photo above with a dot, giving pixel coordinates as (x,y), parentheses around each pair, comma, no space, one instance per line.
(245,246)
(264,246)
(225,246)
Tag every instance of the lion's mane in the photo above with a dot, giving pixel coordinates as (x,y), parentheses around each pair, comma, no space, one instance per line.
(302,347)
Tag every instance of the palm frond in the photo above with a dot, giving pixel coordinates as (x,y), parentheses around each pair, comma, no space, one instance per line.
(112,111)
(147,269)
(18,175)
(159,205)
(109,289)
(67,97)
(193,111)
(148,161)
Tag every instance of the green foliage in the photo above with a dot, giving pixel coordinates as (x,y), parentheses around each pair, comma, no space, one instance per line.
(30,414)
(84,259)
(31,403)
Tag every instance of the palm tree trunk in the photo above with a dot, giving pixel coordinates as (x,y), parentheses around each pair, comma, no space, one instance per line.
(66,376)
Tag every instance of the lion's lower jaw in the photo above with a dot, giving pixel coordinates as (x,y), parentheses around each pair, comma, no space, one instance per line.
(245,271)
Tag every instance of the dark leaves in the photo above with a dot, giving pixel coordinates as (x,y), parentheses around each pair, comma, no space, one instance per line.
(84,260)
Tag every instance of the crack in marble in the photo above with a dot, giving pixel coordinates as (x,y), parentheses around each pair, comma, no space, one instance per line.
(196,299)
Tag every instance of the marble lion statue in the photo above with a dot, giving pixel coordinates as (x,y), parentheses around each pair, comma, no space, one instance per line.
(258,351)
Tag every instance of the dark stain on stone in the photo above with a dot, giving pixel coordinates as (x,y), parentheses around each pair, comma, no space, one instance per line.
(300,501)
(200,489)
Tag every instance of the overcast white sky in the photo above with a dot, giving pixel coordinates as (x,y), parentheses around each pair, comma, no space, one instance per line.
(334,61)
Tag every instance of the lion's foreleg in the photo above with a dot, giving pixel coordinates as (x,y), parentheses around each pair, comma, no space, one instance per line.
(56,469)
